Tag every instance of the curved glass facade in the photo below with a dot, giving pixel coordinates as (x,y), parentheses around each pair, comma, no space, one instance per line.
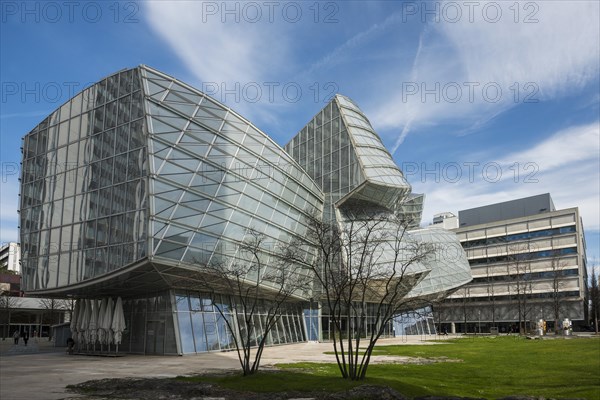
(135,184)
(202,328)
(84,187)
(384,227)
(213,175)
(410,210)
(141,167)
(447,264)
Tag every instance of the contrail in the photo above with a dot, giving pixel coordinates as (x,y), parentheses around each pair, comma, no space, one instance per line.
(413,76)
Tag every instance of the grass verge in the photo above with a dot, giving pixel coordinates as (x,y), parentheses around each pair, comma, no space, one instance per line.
(491,367)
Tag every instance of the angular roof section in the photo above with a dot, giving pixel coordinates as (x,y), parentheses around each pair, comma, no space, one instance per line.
(384,182)
(373,174)
(376,161)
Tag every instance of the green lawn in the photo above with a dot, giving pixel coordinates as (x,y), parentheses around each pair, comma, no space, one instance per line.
(489,367)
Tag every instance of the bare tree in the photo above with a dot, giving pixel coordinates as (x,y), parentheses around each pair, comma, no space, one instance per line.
(520,272)
(491,294)
(465,307)
(363,272)
(437,309)
(7,304)
(558,283)
(260,292)
(52,307)
(595,296)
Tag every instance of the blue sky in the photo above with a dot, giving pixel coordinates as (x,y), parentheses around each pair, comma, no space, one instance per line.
(479,102)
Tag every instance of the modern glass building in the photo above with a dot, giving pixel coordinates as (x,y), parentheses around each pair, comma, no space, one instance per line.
(342,152)
(135,184)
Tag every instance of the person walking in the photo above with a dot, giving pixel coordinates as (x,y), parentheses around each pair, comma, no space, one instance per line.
(16,336)
(25,337)
(70,345)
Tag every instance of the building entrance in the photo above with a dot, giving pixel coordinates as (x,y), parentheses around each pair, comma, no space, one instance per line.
(155,337)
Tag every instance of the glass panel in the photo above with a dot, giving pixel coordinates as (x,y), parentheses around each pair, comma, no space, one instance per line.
(275,333)
(199,336)
(282,331)
(181,303)
(207,304)
(52,276)
(195,304)
(197,256)
(263,321)
(63,133)
(170,250)
(225,337)
(63,276)
(185,332)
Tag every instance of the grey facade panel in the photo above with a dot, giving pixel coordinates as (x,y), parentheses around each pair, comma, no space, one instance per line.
(524,207)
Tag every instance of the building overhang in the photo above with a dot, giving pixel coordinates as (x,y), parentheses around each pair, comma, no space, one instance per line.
(139,278)
(148,277)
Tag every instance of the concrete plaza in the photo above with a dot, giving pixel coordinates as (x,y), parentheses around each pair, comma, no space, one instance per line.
(42,372)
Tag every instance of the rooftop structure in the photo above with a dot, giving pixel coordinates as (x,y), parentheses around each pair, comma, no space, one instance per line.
(445,220)
(524,207)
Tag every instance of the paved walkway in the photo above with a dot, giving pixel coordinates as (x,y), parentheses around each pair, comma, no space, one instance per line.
(43,375)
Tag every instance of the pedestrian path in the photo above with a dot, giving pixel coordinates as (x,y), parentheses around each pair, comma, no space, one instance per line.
(45,374)
(42,345)
(22,349)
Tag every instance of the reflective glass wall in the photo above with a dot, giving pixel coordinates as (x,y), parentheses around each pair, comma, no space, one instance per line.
(84,188)
(214,175)
(341,151)
(411,210)
(142,156)
(203,328)
(323,148)
(417,322)
(150,326)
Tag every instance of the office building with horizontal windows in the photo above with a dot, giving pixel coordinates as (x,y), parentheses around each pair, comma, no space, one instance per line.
(10,256)
(135,185)
(528,263)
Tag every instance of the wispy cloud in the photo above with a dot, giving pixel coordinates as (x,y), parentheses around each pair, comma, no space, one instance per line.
(334,57)
(410,112)
(553,57)
(229,54)
(558,48)
(566,165)
(570,146)
(214,50)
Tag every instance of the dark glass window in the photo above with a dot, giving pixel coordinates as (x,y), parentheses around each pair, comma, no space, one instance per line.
(516,237)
